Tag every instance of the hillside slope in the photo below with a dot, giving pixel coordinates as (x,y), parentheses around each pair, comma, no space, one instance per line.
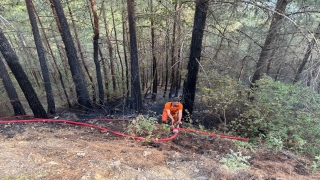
(64,151)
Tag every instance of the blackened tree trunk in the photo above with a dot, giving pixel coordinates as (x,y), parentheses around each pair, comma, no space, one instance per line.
(41,56)
(154,59)
(307,54)
(54,60)
(268,46)
(96,51)
(189,88)
(124,42)
(105,74)
(24,83)
(173,55)
(11,91)
(179,60)
(166,59)
(81,52)
(77,74)
(135,80)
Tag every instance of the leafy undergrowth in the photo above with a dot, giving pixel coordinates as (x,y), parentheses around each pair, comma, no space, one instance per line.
(64,151)
(280,113)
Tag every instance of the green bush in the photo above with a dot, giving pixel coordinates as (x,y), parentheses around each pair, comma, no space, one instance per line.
(315,164)
(283,113)
(142,126)
(236,161)
(223,101)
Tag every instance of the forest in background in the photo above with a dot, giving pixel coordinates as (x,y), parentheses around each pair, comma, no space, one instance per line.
(266,49)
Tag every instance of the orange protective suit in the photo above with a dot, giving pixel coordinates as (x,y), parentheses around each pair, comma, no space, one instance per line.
(174,111)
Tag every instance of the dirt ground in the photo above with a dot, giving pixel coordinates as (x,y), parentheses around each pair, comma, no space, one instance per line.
(64,151)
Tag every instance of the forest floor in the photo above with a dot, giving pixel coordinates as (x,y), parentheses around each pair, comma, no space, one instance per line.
(71,152)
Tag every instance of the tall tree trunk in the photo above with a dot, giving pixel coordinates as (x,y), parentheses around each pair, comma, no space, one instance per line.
(173,55)
(42,58)
(77,75)
(124,42)
(189,87)
(270,60)
(103,59)
(307,54)
(54,59)
(62,55)
(81,52)
(269,42)
(117,47)
(166,59)
(178,75)
(144,64)
(96,51)
(136,89)
(11,91)
(154,60)
(110,48)
(105,74)
(24,83)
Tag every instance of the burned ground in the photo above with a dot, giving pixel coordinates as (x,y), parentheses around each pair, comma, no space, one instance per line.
(64,151)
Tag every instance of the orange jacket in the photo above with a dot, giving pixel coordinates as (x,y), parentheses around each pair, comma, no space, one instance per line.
(173,110)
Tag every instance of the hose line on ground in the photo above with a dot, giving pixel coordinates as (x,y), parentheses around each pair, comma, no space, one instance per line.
(175,130)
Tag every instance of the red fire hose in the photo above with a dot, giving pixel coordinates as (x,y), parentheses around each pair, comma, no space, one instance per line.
(175,130)
(87,125)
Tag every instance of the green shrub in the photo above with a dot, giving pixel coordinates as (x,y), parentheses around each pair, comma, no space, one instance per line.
(236,161)
(315,164)
(223,102)
(142,126)
(245,145)
(283,113)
